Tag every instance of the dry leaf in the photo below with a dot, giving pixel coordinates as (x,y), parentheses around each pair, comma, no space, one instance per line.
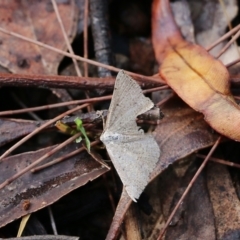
(36,20)
(45,187)
(199,79)
(12,129)
(181,132)
(225,202)
(194,218)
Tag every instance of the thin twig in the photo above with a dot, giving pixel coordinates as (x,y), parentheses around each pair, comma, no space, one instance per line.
(37,130)
(78,71)
(101,37)
(21,104)
(165,100)
(57,81)
(39,160)
(56,105)
(53,224)
(234,38)
(85,37)
(111,68)
(236,97)
(218,160)
(225,36)
(229,23)
(60,159)
(232,63)
(151,90)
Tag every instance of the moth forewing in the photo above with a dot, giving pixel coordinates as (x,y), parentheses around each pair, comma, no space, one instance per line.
(133,153)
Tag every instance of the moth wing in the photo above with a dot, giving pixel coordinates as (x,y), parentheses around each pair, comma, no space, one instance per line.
(134,162)
(127,103)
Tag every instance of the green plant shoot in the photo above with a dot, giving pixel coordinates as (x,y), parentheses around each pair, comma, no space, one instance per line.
(81,129)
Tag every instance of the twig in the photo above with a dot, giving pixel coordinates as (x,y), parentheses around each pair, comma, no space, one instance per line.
(85,37)
(60,159)
(165,99)
(218,160)
(122,207)
(21,104)
(39,160)
(225,36)
(78,71)
(55,105)
(37,130)
(111,68)
(234,38)
(232,63)
(100,32)
(57,81)
(53,224)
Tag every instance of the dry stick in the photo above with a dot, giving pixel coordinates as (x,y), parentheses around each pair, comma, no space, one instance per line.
(228,22)
(64,95)
(225,36)
(189,187)
(52,220)
(122,207)
(85,37)
(37,130)
(236,29)
(223,6)
(22,105)
(165,100)
(39,160)
(237,97)
(57,81)
(218,160)
(55,105)
(109,193)
(234,38)
(78,71)
(85,47)
(150,90)
(95,157)
(111,68)
(232,63)
(60,159)
(100,32)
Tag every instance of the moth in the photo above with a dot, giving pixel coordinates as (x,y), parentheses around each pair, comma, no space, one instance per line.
(134,154)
